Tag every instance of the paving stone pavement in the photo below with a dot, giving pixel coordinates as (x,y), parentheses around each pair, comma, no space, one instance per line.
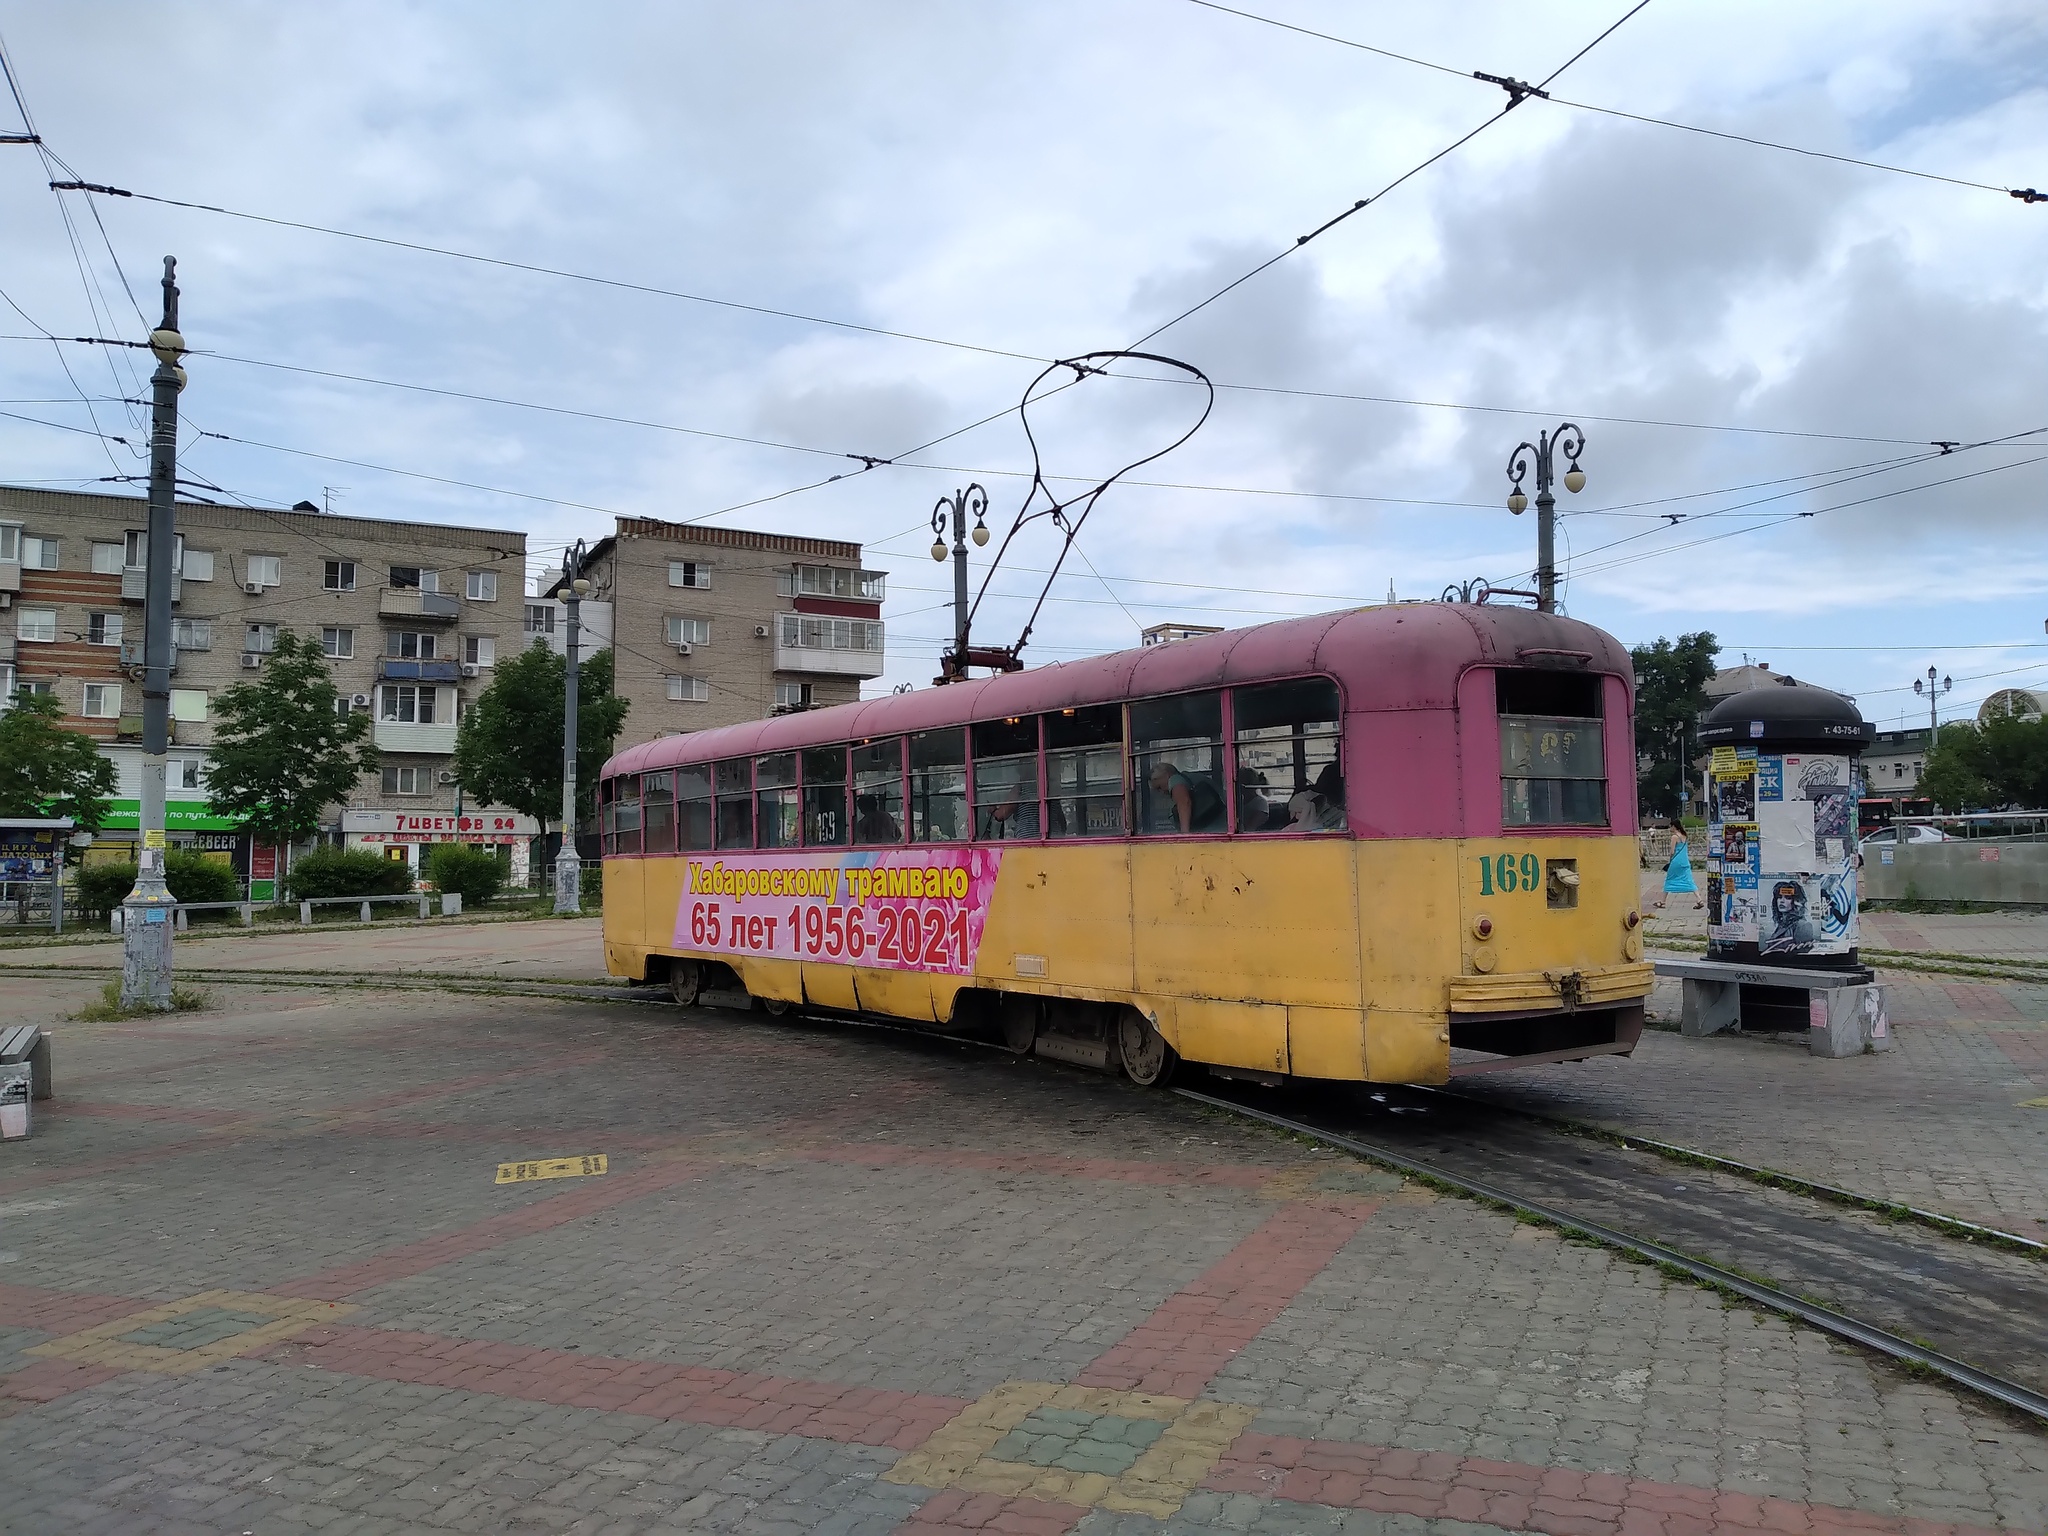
(257,1274)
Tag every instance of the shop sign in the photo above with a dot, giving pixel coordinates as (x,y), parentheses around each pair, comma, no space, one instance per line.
(373,828)
(179,816)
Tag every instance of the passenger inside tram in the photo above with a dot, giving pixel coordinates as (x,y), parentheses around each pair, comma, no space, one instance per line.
(1196,806)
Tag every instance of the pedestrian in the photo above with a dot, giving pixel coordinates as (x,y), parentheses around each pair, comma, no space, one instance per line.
(1678,869)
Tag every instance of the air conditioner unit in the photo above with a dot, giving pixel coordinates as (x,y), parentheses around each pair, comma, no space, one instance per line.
(682,647)
(253,588)
(470,669)
(760,631)
(359,701)
(445,777)
(251,661)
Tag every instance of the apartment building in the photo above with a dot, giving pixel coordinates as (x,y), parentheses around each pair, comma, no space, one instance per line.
(713,626)
(411,616)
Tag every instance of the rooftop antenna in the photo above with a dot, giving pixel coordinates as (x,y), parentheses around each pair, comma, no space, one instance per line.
(329,494)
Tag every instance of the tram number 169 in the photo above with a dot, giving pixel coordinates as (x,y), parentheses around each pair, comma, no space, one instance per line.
(1503,872)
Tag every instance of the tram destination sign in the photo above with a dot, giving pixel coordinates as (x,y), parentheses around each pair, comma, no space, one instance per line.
(907,910)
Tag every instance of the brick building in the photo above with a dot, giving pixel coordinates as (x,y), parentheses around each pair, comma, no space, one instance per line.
(412,616)
(713,626)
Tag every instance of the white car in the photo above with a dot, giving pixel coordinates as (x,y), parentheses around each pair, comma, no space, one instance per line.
(1914,834)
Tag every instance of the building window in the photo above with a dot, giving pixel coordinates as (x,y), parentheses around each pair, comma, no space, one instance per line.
(831,581)
(192,634)
(187,773)
(135,549)
(404,781)
(689,573)
(688,631)
(188,704)
(412,576)
(341,576)
(10,543)
(482,587)
(102,701)
(103,629)
(266,570)
(1898,770)
(338,644)
(792,695)
(36,624)
(407,704)
(804,632)
(688,690)
(38,554)
(479,650)
(106,559)
(540,618)
(260,639)
(409,645)
(198,565)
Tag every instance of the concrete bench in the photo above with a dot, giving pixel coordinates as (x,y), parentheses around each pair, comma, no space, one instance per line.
(27,1043)
(1844,1010)
(451,904)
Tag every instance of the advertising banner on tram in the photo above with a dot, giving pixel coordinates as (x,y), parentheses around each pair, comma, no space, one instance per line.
(908,909)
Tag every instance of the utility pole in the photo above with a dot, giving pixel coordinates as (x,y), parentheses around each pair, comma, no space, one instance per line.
(146,924)
(568,867)
(1934,686)
(953,667)
(1569,437)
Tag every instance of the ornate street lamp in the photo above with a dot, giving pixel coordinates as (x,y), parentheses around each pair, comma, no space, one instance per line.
(1572,440)
(974,499)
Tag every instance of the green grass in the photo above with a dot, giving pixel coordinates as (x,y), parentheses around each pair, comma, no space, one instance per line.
(108,1009)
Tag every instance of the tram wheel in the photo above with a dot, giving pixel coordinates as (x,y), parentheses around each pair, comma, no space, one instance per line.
(776,1006)
(1147,1059)
(1019,1017)
(685,980)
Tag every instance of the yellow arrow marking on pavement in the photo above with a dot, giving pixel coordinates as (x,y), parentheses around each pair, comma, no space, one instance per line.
(554,1168)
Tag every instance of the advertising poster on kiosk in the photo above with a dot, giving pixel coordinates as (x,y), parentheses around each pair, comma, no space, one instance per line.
(1784,828)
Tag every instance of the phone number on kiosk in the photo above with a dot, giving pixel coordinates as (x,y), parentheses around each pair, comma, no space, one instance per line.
(932,937)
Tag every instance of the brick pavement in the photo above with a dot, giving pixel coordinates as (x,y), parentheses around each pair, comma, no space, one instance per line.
(259,1277)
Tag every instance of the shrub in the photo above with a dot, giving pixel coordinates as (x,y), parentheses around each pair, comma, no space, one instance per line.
(346,872)
(476,873)
(191,877)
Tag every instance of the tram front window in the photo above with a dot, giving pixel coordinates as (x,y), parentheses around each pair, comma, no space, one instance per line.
(1084,772)
(1290,775)
(735,782)
(1177,760)
(938,786)
(1006,778)
(878,791)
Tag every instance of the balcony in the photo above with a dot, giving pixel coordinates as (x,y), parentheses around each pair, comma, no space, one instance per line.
(839,647)
(404,736)
(411,603)
(132,657)
(396,669)
(10,575)
(135,584)
(7,648)
(129,728)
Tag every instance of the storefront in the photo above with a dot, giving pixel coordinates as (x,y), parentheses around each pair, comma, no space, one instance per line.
(408,834)
(191,825)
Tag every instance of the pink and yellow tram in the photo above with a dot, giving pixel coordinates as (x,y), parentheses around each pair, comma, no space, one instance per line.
(1342,846)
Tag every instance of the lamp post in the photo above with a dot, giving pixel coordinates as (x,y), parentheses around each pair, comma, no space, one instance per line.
(953,665)
(146,911)
(1934,690)
(1572,440)
(568,867)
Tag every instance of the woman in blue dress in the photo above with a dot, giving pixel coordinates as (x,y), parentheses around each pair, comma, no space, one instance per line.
(1678,872)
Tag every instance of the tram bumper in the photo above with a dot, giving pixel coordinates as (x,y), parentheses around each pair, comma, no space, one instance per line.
(1529,1018)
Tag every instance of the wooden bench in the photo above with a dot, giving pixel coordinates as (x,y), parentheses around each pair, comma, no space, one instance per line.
(1843,1012)
(27,1042)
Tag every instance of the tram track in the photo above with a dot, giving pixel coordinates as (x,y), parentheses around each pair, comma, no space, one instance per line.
(1935,1299)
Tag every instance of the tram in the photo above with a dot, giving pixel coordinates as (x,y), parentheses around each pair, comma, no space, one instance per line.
(1341,846)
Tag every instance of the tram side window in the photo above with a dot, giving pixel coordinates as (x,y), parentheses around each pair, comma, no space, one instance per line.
(1553,769)
(1290,772)
(878,791)
(825,797)
(607,834)
(1084,771)
(658,813)
(1006,778)
(938,786)
(1177,765)
(734,781)
(625,817)
(775,819)
(693,807)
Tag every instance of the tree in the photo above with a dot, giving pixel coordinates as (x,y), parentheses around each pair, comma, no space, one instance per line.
(1954,778)
(46,770)
(282,751)
(1669,680)
(2003,762)
(509,750)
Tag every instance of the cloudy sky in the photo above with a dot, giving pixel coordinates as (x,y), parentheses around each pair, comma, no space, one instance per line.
(1745,335)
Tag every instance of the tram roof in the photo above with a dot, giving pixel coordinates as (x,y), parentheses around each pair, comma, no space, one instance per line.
(1400,656)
